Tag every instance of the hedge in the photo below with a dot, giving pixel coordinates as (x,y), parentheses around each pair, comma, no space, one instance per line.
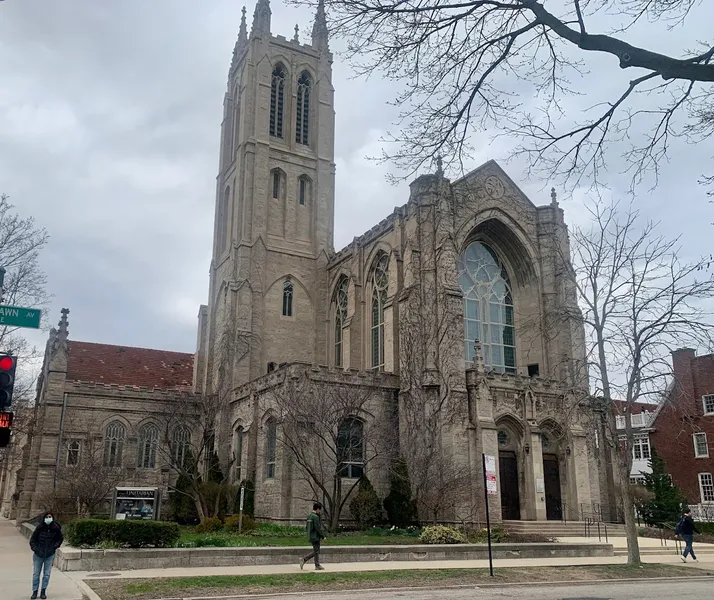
(128,534)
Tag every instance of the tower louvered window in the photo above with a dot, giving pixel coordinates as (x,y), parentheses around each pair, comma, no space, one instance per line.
(277,100)
(302,128)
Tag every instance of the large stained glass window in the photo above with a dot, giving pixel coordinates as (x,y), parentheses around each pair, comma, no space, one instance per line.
(488,308)
(379,298)
(340,316)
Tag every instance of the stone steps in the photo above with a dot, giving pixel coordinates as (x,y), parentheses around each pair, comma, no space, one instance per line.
(563,529)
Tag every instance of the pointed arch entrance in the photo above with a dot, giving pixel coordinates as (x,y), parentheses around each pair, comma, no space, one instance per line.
(509,472)
(550,446)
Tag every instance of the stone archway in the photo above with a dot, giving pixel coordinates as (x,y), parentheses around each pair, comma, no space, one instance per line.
(509,468)
(552,442)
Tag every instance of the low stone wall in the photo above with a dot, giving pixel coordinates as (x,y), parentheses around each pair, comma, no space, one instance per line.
(73,559)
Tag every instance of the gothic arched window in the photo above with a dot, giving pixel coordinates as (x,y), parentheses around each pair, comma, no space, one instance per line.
(277,100)
(488,308)
(223,219)
(238,454)
(302,128)
(340,317)
(271,443)
(350,448)
(148,443)
(181,446)
(114,444)
(379,299)
(287,298)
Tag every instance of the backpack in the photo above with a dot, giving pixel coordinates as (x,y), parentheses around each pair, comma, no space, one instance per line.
(679,526)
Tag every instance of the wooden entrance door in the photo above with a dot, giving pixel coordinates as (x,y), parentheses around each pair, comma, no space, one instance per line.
(510,499)
(553,499)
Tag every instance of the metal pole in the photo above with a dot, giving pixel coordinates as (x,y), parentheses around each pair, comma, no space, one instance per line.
(2,284)
(240,509)
(488,517)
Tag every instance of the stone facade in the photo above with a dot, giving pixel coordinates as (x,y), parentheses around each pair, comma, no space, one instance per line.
(395,306)
(83,389)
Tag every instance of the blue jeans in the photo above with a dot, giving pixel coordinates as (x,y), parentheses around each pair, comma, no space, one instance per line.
(688,539)
(44,565)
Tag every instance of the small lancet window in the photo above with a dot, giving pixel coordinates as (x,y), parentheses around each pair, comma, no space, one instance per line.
(287,298)
(277,100)
(302,129)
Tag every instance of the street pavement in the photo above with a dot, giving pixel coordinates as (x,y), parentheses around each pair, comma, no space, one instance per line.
(681,590)
(16,569)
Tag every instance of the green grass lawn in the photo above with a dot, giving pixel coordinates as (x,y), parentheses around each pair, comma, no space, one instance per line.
(310,581)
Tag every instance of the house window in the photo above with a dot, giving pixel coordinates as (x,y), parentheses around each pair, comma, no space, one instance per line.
(181,446)
(488,308)
(74,449)
(379,299)
(641,448)
(271,441)
(701,448)
(302,128)
(287,298)
(340,317)
(114,444)
(350,448)
(148,443)
(277,100)
(238,454)
(637,480)
(706,487)
(708,402)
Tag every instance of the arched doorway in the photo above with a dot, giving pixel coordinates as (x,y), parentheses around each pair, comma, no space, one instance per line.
(551,477)
(508,475)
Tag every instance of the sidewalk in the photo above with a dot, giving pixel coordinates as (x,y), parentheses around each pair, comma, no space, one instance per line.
(16,569)
(704,563)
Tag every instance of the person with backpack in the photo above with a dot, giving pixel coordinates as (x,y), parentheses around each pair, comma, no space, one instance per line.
(315,535)
(686,530)
(44,542)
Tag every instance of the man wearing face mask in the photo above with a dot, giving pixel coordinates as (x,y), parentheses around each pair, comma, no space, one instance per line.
(44,542)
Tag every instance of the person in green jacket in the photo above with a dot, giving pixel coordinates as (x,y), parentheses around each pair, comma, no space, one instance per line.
(315,535)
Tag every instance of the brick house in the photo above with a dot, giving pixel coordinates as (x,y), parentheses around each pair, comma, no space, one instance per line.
(643,415)
(683,429)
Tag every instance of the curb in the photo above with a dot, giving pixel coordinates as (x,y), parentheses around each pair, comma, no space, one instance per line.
(93,595)
(88,592)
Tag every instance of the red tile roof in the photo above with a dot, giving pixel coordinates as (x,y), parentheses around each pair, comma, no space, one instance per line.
(122,365)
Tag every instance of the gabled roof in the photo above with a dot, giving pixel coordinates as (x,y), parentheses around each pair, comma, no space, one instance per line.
(123,365)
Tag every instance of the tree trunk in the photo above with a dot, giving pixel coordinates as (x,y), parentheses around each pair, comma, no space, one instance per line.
(633,546)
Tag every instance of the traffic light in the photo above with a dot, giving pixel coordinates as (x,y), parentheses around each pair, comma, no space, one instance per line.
(8,364)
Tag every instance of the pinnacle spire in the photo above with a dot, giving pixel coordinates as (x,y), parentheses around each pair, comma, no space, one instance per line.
(243,32)
(319,28)
(261,17)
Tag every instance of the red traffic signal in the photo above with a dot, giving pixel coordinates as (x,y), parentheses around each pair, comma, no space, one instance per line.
(8,364)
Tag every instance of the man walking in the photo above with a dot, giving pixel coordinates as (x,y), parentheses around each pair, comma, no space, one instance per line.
(44,542)
(315,535)
(687,529)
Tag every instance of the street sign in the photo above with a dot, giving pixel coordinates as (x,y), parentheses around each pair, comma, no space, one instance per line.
(16,316)
(490,468)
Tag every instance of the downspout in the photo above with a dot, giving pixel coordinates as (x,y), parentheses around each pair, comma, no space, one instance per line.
(59,441)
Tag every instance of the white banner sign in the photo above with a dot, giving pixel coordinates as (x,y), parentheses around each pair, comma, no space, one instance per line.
(491,485)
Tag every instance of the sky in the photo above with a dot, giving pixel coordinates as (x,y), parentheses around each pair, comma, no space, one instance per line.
(109,132)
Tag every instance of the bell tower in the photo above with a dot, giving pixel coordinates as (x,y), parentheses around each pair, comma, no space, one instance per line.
(274,217)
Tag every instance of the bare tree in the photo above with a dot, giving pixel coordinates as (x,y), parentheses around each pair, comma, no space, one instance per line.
(331,432)
(20,244)
(511,64)
(640,299)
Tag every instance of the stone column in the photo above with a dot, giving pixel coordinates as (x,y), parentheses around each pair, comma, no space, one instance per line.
(580,468)
(535,483)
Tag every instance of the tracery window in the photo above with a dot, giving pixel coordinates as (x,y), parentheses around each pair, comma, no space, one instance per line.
(277,100)
(148,443)
(380,281)
(114,444)
(181,446)
(350,448)
(287,298)
(271,442)
(238,454)
(488,308)
(302,128)
(340,316)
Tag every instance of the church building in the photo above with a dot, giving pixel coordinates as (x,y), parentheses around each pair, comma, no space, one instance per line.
(456,313)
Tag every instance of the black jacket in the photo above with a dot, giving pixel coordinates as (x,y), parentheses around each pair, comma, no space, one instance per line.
(687,526)
(46,539)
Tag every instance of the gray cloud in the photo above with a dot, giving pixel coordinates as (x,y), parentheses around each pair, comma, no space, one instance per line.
(109,132)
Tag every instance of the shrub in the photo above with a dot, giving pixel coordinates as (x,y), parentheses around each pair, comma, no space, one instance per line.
(365,506)
(181,504)
(439,534)
(209,524)
(125,534)
(233,524)
(498,535)
(400,507)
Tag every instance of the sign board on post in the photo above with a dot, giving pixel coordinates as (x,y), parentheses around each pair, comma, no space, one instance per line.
(136,503)
(16,316)
(491,481)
